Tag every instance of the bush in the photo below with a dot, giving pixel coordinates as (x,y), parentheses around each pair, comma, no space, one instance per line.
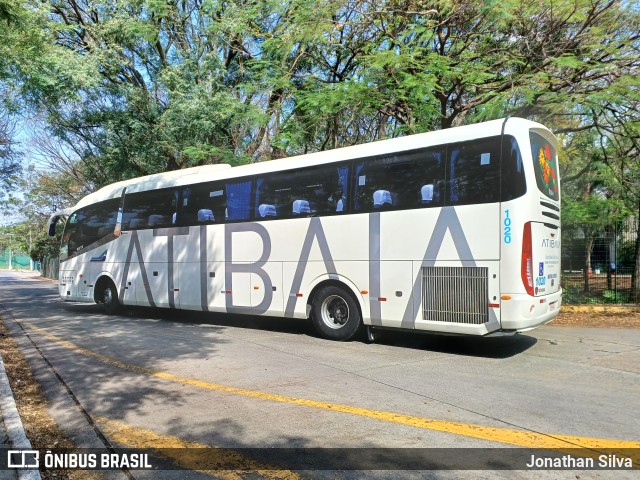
(45,246)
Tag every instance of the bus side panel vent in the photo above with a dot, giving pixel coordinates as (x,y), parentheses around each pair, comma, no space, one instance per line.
(455,294)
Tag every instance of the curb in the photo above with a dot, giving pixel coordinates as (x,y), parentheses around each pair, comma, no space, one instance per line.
(12,422)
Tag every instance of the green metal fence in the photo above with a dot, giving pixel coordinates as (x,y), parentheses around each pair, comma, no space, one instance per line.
(19,261)
(50,268)
(598,264)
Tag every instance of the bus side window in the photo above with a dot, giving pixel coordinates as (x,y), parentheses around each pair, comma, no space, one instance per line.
(266,204)
(474,172)
(403,180)
(305,192)
(238,200)
(203,204)
(150,209)
(338,200)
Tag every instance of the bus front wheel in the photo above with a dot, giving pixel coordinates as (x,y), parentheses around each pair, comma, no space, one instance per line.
(335,314)
(109,298)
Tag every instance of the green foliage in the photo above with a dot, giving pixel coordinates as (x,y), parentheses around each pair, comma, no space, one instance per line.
(575,295)
(627,254)
(135,87)
(9,165)
(43,194)
(571,294)
(45,246)
(611,296)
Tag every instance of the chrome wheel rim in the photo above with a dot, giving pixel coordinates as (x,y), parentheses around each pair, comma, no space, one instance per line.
(107,296)
(334,312)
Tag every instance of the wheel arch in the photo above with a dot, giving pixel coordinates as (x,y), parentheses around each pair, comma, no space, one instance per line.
(350,289)
(101,281)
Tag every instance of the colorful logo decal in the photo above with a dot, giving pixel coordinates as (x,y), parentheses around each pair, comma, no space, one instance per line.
(547,165)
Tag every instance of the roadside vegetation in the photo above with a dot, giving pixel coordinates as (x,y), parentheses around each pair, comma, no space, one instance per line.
(95,92)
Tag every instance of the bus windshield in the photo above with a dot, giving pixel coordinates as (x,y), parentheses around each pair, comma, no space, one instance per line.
(87,226)
(545,163)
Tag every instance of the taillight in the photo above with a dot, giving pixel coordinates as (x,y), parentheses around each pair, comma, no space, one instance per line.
(526,267)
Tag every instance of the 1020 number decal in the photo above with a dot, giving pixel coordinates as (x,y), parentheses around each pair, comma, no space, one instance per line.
(506,228)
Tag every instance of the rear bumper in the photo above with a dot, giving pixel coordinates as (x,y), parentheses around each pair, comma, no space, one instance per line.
(524,312)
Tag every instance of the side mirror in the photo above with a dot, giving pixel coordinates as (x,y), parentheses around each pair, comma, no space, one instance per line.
(53,220)
(52,226)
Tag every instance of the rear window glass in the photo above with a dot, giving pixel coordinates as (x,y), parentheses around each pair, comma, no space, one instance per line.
(545,163)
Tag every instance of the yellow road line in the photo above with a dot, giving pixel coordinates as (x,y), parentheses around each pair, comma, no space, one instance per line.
(174,448)
(520,438)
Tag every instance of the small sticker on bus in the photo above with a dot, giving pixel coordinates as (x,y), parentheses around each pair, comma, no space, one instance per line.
(485,159)
(362,180)
(217,193)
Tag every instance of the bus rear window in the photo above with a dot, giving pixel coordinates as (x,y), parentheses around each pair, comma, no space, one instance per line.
(545,164)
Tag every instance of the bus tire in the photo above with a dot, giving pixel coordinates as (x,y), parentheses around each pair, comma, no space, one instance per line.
(109,298)
(335,314)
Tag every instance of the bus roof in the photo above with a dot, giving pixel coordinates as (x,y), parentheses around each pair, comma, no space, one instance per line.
(208,173)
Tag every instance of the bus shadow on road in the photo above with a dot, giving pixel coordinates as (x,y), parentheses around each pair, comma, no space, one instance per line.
(293,326)
(487,347)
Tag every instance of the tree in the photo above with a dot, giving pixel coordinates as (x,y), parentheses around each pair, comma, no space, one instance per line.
(619,133)
(129,88)
(45,246)
(9,165)
(591,198)
(43,194)
(142,87)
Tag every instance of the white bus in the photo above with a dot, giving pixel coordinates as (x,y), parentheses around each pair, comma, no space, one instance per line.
(454,231)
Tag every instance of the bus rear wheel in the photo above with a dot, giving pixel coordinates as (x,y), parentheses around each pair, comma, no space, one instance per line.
(109,298)
(335,314)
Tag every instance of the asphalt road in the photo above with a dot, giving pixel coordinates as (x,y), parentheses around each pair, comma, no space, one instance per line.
(177,378)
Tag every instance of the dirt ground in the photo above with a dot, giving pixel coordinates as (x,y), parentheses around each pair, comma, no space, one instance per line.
(597,319)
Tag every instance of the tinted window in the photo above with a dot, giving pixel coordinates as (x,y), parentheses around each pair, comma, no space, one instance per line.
(302,193)
(88,225)
(402,180)
(474,172)
(514,183)
(204,203)
(545,163)
(152,209)
(215,202)
(238,200)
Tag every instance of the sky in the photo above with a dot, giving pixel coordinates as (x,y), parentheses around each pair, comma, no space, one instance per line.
(24,131)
